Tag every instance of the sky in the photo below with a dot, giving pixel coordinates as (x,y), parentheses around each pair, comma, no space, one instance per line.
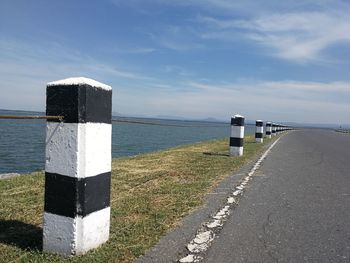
(285,61)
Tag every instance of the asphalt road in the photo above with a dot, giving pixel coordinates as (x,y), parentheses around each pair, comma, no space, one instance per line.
(297,207)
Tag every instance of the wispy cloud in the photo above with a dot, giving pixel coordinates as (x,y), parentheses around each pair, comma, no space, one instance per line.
(226,6)
(273,100)
(179,71)
(140,50)
(301,90)
(299,31)
(177,38)
(294,36)
(52,59)
(26,68)
(245,8)
(132,50)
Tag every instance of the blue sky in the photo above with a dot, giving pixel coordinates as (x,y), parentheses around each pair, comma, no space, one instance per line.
(271,60)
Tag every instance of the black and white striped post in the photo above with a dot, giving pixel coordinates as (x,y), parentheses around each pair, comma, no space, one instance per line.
(78,166)
(237,135)
(268,129)
(259,131)
(273,129)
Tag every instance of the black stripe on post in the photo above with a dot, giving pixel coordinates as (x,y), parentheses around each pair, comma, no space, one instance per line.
(71,196)
(259,123)
(79,103)
(268,133)
(237,121)
(236,142)
(268,124)
(258,135)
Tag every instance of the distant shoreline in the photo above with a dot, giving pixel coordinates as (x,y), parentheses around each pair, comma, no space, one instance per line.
(212,120)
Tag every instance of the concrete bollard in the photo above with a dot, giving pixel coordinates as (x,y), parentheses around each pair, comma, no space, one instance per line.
(259,131)
(273,129)
(78,166)
(237,135)
(268,129)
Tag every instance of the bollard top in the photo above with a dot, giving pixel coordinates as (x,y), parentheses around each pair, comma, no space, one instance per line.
(237,120)
(79,81)
(259,123)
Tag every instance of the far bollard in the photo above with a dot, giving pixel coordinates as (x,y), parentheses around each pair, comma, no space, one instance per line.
(237,135)
(78,166)
(268,129)
(259,131)
(273,129)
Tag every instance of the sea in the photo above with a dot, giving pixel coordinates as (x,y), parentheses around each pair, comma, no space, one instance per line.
(22,142)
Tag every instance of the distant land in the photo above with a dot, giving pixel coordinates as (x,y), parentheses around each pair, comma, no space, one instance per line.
(168,117)
(208,119)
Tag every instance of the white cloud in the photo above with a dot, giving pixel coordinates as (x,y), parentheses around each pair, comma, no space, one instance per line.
(53,59)
(331,92)
(26,74)
(300,36)
(140,50)
(131,50)
(177,38)
(228,6)
(25,69)
(294,36)
(298,31)
(269,100)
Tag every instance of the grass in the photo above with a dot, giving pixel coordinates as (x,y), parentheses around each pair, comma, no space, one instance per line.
(150,194)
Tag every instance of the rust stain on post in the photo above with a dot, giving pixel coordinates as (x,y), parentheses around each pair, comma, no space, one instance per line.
(32,117)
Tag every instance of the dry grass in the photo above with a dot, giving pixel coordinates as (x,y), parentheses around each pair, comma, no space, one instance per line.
(150,195)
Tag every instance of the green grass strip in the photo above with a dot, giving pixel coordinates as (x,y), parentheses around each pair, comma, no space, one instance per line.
(150,194)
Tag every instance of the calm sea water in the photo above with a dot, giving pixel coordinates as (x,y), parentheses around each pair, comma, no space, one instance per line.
(22,142)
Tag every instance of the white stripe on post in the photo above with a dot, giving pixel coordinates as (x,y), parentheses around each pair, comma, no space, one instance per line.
(259,131)
(78,166)
(268,129)
(237,135)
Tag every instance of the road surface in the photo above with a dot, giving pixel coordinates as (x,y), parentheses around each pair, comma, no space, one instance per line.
(297,207)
